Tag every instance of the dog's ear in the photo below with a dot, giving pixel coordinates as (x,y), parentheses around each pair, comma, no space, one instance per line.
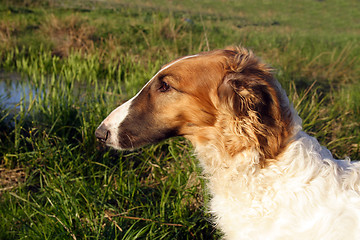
(252,96)
(249,88)
(247,94)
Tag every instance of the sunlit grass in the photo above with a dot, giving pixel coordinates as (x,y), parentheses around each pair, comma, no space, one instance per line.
(80,62)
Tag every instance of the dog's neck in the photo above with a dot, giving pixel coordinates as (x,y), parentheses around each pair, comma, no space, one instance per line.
(213,160)
(244,173)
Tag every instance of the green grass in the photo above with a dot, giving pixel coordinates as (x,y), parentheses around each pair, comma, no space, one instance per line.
(82,59)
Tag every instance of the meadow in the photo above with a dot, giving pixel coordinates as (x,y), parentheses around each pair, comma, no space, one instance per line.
(78,60)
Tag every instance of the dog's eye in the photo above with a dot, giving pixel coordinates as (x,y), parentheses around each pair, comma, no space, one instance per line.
(164,87)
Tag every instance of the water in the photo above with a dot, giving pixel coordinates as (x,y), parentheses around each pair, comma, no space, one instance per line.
(13,89)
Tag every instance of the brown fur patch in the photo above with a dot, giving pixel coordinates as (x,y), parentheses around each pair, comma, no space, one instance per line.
(260,117)
(231,99)
(226,98)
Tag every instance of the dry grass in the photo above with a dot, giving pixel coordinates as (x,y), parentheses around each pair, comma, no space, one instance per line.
(72,33)
(339,68)
(7,34)
(10,178)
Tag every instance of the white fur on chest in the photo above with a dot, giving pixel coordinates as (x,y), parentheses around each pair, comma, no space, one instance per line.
(304,195)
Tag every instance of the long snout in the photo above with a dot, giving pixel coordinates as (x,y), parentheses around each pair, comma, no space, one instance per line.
(108,130)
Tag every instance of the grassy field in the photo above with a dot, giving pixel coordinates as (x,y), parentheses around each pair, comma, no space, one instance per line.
(80,59)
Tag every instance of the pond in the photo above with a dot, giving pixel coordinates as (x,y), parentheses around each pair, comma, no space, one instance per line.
(13,89)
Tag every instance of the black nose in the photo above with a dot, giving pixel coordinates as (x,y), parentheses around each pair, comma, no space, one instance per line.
(102,133)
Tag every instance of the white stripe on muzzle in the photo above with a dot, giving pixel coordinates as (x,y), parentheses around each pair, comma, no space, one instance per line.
(118,115)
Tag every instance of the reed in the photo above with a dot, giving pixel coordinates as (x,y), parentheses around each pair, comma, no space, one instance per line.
(79,63)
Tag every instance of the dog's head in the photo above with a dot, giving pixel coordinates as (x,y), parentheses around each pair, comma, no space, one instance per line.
(225,96)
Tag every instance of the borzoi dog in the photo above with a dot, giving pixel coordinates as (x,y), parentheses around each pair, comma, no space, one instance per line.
(267,178)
